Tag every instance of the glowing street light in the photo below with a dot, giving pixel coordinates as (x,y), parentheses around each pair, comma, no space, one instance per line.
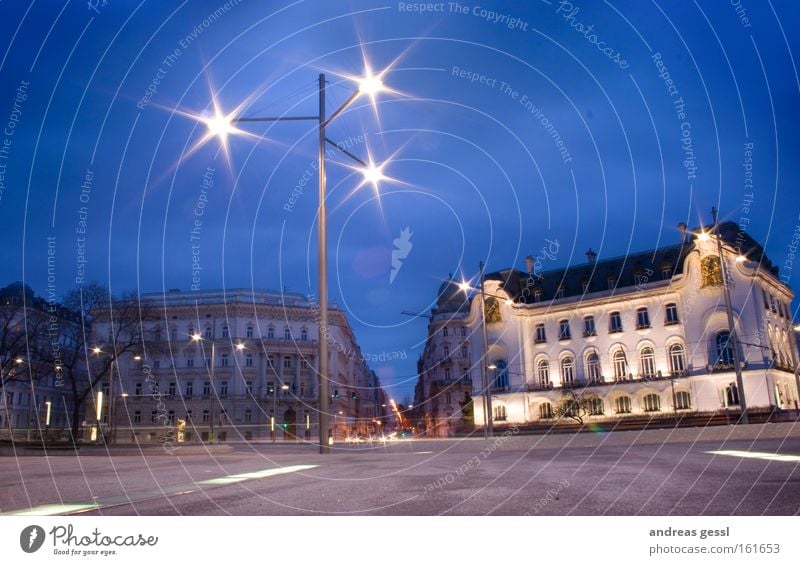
(222,125)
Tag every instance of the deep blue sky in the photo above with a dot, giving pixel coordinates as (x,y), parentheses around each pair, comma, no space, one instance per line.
(483,178)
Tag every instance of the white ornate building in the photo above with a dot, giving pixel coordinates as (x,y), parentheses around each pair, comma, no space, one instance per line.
(264,378)
(647,334)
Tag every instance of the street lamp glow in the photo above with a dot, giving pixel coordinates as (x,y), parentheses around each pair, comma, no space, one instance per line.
(19,360)
(370,85)
(196,337)
(97,350)
(741,259)
(464,286)
(703,236)
(373,174)
(219,125)
(240,346)
(492,367)
(137,357)
(509,302)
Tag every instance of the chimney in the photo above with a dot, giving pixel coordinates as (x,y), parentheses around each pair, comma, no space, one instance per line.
(591,256)
(682,229)
(529,264)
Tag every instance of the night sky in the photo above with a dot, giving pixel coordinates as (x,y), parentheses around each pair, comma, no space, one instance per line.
(510,126)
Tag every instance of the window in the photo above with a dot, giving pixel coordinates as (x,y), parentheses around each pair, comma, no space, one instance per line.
(671,314)
(171,417)
(666,271)
(537,295)
(640,278)
(224,359)
(249,331)
(647,357)
(190,362)
(596,407)
(206,388)
(541,336)
(545,411)
(270,333)
(223,388)
(612,282)
(156,363)
(500,413)
(620,365)
(614,322)
(171,389)
(205,416)
(766,299)
(137,417)
(724,349)
(445,333)
(560,292)
(248,385)
(248,416)
(248,360)
(732,395)
(677,359)
(683,400)
(543,371)
(137,389)
(287,334)
(567,371)
(446,350)
(154,416)
(304,335)
(448,398)
(224,331)
(588,326)
(642,319)
(157,335)
(593,368)
(463,331)
(563,329)
(189,389)
(447,374)
(287,362)
(208,332)
(622,405)
(173,334)
(271,361)
(188,416)
(651,403)
(464,352)
(501,374)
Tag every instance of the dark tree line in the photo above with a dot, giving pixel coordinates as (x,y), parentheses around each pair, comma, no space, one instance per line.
(42,339)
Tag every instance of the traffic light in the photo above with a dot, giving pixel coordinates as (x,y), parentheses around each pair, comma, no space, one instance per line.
(285,426)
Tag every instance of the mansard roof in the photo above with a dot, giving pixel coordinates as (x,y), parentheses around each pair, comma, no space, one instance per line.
(620,273)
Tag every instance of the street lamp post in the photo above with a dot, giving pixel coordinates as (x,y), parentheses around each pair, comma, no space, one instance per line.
(221,125)
(737,364)
(284,387)
(48,405)
(198,338)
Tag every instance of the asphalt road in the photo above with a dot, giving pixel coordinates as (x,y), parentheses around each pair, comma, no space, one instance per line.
(624,473)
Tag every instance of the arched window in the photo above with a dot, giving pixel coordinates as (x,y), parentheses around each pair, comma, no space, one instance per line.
(622,405)
(724,349)
(543,371)
(652,403)
(683,400)
(545,411)
(732,395)
(593,368)
(501,378)
(648,361)
(499,413)
(677,360)
(567,371)
(270,333)
(304,335)
(620,365)
(596,406)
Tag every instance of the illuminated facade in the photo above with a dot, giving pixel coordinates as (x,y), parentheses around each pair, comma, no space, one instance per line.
(645,335)
(264,383)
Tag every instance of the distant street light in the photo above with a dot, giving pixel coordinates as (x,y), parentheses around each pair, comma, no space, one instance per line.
(198,338)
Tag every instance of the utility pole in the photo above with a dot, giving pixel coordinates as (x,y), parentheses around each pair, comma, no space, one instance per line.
(488,428)
(732,337)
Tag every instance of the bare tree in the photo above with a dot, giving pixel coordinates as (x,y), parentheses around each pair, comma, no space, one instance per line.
(89,358)
(23,328)
(576,406)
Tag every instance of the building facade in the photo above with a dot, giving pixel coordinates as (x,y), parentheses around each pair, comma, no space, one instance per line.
(642,335)
(236,365)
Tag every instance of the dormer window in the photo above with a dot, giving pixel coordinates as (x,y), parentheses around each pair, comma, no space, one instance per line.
(560,292)
(612,282)
(666,271)
(537,295)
